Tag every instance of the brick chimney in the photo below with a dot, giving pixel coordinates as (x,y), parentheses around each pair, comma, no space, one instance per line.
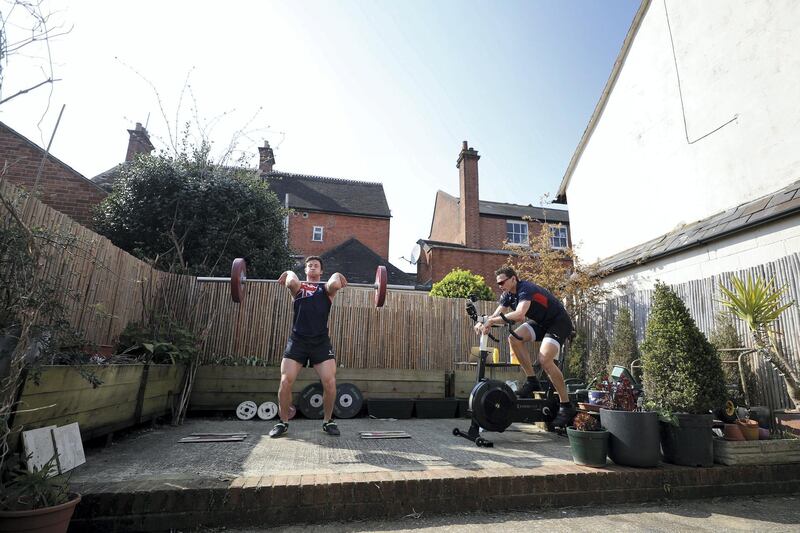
(138,142)
(266,158)
(470,230)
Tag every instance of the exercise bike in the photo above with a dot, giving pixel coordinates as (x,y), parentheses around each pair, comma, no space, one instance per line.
(493,405)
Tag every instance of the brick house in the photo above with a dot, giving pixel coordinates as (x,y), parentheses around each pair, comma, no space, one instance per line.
(61,187)
(469,233)
(346,222)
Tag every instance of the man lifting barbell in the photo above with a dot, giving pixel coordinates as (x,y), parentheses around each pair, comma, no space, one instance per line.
(309,340)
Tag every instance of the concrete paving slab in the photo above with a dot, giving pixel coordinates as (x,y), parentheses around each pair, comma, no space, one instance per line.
(158,454)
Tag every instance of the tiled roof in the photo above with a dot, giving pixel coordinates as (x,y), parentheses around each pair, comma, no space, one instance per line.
(105,180)
(358,263)
(780,204)
(519,211)
(334,195)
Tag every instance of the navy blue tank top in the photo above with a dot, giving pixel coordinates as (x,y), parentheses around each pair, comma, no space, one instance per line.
(312,306)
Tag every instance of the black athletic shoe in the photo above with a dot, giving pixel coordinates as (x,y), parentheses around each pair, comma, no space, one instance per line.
(279,430)
(565,415)
(528,388)
(330,428)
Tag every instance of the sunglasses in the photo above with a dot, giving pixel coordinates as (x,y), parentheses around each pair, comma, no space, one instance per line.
(501,282)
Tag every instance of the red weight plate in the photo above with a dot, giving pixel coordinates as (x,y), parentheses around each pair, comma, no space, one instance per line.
(380,285)
(238,278)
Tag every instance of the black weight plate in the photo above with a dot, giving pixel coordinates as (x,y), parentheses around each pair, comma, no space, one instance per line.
(310,402)
(349,401)
(493,404)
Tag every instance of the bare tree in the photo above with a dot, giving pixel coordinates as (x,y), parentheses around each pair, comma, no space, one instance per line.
(26,30)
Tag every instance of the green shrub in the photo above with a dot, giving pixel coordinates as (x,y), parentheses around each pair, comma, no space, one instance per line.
(576,358)
(162,341)
(682,372)
(189,215)
(461,284)
(623,346)
(598,356)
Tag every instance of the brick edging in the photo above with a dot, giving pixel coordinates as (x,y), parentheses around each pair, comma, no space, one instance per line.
(290,499)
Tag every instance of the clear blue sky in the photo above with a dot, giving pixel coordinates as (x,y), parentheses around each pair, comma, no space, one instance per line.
(370,90)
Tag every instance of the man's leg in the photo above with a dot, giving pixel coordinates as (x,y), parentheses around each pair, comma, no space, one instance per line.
(289,370)
(326,371)
(547,358)
(518,347)
(547,355)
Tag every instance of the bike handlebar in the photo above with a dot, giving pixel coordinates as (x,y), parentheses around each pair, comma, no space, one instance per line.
(473,314)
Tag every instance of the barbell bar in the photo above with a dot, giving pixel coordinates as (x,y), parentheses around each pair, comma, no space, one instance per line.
(238,280)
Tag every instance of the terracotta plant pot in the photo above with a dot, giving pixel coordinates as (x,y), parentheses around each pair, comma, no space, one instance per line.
(733,432)
(749,429)
(48,519)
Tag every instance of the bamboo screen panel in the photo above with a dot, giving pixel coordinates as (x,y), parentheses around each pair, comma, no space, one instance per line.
(104,288)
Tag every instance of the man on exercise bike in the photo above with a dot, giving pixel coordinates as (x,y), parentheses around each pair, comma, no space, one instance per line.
(544,318)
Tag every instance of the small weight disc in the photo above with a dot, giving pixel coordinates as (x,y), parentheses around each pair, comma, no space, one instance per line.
(246,410)
(267,410)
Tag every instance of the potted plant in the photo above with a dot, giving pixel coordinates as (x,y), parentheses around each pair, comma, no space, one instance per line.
(758,303)
(35,501)
(683,378)
(633,434)
(588,440)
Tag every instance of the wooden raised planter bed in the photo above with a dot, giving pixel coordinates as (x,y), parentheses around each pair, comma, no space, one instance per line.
(129,395)
(756,452)
(222,388)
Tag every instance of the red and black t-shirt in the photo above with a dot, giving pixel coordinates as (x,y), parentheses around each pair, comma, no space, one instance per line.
(545,307)
(312,306)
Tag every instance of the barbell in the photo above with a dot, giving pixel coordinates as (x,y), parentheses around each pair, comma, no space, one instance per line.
(238,280)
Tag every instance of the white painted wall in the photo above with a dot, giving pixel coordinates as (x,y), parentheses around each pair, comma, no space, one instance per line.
(745,250)
(638,176)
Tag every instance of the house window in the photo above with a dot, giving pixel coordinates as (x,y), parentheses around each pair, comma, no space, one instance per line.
(517,232)
(558,237)
(316,235)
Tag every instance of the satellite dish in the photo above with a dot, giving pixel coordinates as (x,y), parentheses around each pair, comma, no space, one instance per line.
(414,254)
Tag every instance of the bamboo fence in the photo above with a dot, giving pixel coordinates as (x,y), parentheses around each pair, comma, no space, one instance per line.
(104,288)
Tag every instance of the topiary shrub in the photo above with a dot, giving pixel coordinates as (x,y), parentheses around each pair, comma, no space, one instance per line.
(623,346)
(577,355)
(682,372)
(598,356)
(461,284)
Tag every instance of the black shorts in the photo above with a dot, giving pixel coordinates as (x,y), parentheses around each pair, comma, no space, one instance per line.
(305,350)
(559,330)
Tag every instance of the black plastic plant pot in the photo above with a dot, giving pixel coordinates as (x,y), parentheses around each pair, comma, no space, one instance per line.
(390,407)
(589,448)
(691,442)
(634,437)
(436,408)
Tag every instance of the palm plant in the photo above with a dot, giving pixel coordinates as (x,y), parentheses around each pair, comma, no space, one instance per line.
(758,303)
